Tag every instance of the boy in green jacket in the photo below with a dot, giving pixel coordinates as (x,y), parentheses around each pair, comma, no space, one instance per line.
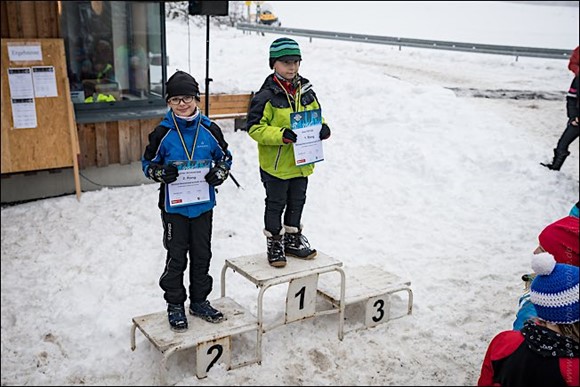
(283,92)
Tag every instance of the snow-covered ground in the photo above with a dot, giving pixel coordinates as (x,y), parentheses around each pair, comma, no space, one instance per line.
(419,178)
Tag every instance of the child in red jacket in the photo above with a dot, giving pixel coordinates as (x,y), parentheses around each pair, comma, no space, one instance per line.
(561,240)
(546,351)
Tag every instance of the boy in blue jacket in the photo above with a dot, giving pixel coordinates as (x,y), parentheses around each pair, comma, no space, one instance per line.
(186,136)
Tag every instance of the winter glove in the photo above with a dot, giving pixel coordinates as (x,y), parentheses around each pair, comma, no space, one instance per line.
(324,132)
(218,174)
(162,173)
(288,136)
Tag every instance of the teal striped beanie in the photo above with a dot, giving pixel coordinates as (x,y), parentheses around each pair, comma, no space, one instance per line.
(284,48)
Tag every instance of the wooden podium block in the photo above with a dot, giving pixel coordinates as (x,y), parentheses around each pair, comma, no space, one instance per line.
(302,277)
(372,285)
(212,341)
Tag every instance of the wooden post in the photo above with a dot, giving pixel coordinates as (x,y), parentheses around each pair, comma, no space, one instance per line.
(75,148)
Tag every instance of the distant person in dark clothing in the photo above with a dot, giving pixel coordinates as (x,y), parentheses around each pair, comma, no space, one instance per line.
(572,130)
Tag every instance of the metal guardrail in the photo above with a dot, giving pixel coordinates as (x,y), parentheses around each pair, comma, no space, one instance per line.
(517,51)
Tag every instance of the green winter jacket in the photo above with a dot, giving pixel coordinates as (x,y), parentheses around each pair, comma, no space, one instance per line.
(269,114)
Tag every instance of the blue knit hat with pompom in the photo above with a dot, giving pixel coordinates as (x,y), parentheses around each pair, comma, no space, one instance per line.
(554,291)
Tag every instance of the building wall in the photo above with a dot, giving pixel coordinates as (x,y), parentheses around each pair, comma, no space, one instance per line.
(29,19)
(110,152)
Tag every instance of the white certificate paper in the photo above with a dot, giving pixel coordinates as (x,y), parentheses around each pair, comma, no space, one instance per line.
(44,81)
(308,146)
(190,186)
(24,113)
(20,82)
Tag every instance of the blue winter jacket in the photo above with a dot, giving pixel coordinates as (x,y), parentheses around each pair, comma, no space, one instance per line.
(526,311)
(165,145)
(575,211)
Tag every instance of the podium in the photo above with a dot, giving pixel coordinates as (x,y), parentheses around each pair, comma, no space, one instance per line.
(302,277)
(372,286)
(212,341)
(307,281)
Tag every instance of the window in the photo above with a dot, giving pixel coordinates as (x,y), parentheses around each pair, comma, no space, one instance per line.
(115,52)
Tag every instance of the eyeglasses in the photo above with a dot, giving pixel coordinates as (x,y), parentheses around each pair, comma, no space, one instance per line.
(177,100)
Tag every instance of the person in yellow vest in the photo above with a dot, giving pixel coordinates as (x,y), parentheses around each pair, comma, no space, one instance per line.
(103,62)
(100,98)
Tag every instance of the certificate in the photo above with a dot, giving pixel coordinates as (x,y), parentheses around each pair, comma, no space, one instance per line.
(190,186)
(308,146)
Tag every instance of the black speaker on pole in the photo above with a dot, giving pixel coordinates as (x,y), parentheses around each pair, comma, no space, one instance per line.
(207,8)
(210,8)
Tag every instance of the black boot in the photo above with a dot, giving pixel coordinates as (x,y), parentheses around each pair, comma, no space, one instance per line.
(296,245)
(276,257)
(177,318)
(559,158)
(205,311)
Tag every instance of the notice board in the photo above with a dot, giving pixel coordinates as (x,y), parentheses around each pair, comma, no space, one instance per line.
(38,126)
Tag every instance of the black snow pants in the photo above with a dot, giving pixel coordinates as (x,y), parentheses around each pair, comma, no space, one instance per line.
(182,235)
(283,197)
(572,130)
(570,134)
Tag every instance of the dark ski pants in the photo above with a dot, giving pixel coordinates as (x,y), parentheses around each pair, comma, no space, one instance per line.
(572,129)
(570,134)
(284,196)
(182,235)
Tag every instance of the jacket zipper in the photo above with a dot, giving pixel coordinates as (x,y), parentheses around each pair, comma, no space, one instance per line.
(277,157)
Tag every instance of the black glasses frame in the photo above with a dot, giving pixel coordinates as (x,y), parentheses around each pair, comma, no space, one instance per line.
(176,100)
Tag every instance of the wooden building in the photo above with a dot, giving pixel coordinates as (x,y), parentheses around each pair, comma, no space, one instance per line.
(115,66)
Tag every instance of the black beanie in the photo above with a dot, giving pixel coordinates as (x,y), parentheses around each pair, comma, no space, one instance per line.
(181,83)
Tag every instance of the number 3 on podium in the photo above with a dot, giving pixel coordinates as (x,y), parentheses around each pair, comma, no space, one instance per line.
(377,310)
